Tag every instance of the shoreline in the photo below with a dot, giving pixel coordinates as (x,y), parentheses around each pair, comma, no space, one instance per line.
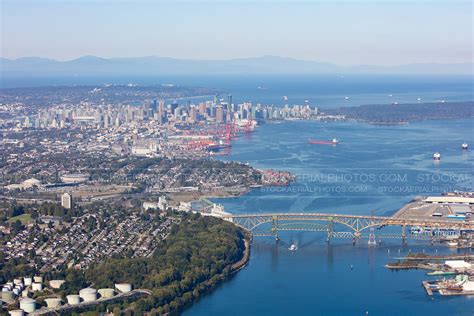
(239,265)
(234,269)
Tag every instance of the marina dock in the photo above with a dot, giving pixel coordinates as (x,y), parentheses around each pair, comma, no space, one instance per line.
(426,285)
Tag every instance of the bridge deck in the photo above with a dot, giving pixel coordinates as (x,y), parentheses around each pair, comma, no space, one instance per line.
(356,223)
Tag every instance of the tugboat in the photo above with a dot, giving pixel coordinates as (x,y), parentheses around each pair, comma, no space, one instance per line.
(293,247)
(464,146)
(437,156)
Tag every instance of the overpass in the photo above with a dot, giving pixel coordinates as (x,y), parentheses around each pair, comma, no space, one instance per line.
(354,225)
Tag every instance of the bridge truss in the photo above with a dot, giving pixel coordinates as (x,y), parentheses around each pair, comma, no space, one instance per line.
(355,226)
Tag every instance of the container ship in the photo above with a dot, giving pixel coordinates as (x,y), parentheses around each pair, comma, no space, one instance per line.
(334,141)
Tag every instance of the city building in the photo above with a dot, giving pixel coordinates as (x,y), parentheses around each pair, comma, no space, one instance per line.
(66,200)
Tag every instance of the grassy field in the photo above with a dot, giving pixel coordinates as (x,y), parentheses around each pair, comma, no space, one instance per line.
(23,218)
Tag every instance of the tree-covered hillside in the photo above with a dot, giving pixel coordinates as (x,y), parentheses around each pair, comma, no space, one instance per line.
(195,257)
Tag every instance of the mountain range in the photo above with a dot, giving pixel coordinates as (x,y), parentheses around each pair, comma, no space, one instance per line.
(152,65)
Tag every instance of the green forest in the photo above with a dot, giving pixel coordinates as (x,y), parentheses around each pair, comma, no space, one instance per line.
(391,113)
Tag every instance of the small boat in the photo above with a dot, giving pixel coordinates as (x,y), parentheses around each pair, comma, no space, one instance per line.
(334,141)
(437,273)
(293,247)
(455,288)
(437,156)
(464,146)
(452,244)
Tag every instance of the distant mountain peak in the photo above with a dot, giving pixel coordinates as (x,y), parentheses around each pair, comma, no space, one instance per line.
(156,65)
(89,58)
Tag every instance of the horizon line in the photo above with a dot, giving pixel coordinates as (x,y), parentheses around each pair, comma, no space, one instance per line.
(235,58)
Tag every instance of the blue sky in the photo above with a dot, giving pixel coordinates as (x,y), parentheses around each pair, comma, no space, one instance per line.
(342,32)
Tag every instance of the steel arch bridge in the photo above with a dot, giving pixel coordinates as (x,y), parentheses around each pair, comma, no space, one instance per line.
(357,225)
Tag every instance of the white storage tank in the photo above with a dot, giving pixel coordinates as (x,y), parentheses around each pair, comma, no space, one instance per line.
(56,284)
(28,305)
(7,296)
(106,293)
(123,287)
(37,286)
(38,279)
(88,294)
(28,281)
(16,312)
(73,299)
(53,302)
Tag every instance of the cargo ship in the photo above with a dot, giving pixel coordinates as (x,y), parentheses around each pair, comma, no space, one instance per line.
(334,141)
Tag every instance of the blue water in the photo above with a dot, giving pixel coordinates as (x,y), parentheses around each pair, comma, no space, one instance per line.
(317,279)
(320,90)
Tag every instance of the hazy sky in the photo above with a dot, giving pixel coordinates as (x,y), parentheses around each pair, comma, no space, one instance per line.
(343,32)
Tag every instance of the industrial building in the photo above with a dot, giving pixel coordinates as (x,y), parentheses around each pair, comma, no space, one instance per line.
(75,178)
(450,200)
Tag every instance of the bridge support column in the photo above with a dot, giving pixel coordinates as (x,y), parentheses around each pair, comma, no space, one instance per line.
(330,230)
(275,227)
(404,236)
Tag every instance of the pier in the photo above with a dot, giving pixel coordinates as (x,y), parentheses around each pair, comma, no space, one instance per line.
(428,290)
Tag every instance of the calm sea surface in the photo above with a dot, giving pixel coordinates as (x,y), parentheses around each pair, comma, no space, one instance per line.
(373,168)
(320,90)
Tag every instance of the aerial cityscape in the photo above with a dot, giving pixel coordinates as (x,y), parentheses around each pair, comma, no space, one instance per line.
(337,179)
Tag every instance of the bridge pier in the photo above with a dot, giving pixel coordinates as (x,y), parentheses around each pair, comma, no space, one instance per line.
(275,228)
(330,230)
(404,236)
